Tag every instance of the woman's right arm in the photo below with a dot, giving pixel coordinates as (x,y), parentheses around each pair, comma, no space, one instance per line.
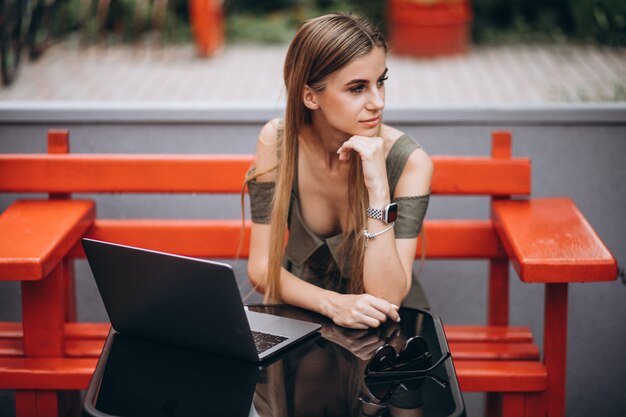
(348,310)
(260,234)
(264,162)
(359,311)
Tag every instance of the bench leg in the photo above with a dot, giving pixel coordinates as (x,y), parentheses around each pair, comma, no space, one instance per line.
(513,404)
(71,314)
(493,404)
(59,143)
(70,404)
(535,404)
(523,404)
(497,315)
(43,314)
(36,404)
(555,346)
(498,297)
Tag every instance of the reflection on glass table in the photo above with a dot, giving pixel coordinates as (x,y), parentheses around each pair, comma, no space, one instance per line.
(400,369)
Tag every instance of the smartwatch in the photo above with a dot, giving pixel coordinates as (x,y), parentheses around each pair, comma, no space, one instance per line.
(387,215)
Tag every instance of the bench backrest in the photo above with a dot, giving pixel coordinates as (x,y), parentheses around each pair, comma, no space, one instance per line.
(61,173)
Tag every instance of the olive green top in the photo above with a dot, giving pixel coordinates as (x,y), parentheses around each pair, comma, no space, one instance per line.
(314,258)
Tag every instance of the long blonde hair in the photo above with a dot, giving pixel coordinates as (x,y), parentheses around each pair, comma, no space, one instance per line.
(321,46)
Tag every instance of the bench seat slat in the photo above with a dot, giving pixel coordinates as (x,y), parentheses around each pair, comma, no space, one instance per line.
(501,376)
(77,330)
(11,330)
(83,348)
(46,373)
(86,330)
(11,347)
(96,173)
(36,235)
(550,241)
(454,333)
(463,333)
(92,348)
(466,343)
(75,373)
(73,348)
(494,351)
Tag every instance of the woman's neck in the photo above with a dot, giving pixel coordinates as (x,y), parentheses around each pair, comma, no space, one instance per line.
(323,141)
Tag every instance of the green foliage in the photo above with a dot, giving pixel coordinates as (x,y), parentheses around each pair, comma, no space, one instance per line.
(269,28)
(66,16)
(495,21)
(176,29)
(125,20)
(602,21)
(275,21)
(256,7)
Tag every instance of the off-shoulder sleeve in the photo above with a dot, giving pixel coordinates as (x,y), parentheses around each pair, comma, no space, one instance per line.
(261,194)
(411,212)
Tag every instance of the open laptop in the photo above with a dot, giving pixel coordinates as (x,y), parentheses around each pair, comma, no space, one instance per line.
(185,301)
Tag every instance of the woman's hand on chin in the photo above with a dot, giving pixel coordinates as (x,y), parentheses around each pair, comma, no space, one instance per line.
(359,311)
(372,153)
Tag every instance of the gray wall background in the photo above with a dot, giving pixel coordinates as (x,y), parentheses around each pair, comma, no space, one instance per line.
(576,151)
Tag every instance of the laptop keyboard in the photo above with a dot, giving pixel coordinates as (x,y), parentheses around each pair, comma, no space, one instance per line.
(265,341)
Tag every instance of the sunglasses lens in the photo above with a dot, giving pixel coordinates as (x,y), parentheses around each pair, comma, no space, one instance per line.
(414,352)
(414,356)
(383,360)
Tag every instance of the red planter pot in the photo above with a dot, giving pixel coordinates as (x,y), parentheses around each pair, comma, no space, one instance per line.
(429,28)
(207,25)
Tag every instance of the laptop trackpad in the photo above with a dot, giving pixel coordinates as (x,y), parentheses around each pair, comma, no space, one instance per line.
(262,321)
(277,325)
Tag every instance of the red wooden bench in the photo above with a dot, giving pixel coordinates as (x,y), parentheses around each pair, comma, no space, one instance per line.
(547,240)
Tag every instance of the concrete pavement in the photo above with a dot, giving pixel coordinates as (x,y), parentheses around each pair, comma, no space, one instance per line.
(518,74)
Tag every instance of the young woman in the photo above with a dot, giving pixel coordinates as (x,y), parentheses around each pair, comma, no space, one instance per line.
(351,191)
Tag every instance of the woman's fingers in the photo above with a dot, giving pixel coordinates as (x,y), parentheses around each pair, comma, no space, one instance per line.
(365,311)
(368,320)
(385,307)
(370,309)
(364,146)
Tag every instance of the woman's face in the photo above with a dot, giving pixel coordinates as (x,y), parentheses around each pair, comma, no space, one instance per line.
(354,97)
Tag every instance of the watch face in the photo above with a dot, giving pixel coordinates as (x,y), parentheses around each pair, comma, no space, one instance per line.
(392,212)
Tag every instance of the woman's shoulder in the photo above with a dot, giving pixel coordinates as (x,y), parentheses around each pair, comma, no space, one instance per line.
(269,132)
(266,148)
(390,134)
(399,142)
(415,168)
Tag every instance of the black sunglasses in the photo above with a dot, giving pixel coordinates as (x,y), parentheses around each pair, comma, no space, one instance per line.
(387,369)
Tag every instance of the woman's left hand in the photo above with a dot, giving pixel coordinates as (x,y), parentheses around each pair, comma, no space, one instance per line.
(372,153)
